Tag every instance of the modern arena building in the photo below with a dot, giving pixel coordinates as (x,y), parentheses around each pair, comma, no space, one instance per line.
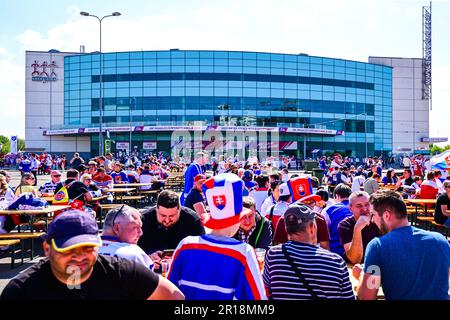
(311,103)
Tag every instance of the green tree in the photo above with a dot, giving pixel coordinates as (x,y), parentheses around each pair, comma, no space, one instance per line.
(20,144)
(434,149)
(4,142)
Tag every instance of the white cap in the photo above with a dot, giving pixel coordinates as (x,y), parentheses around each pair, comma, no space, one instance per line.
(284,190)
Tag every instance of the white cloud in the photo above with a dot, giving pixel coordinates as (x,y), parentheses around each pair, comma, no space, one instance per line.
(12,96)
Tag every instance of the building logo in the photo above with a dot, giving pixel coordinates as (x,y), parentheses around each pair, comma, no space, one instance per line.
(43,72)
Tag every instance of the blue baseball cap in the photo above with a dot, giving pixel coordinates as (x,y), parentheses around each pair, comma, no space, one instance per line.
(73,229)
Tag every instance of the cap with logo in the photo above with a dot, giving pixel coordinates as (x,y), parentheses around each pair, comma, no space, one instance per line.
(284,190)
(73,229)
(298,213)
(224,195)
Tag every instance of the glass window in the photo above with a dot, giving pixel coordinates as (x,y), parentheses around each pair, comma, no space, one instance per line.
(220,69)
(206,69)
(123,70)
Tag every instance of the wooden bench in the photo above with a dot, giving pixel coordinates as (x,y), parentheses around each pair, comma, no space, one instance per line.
(106,207)
(151,195)
(12,249)
(133,199)
(426,221)
(22,236)
(175,183)
(109,206)
(150,192)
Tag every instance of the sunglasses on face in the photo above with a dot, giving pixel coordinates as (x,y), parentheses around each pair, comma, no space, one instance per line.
(56,175)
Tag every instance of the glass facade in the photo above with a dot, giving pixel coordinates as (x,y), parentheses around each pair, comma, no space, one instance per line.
(234,89)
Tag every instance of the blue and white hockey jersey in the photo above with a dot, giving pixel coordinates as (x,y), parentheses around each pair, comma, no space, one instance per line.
(211,267)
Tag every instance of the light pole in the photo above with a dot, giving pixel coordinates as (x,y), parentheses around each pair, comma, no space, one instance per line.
(100,103)
(129,118)
(365,131)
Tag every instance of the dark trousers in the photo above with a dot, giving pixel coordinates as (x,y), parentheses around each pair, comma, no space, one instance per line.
(35,177)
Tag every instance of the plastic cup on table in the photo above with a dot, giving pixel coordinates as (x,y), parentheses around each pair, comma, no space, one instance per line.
(165,264)
(260,256)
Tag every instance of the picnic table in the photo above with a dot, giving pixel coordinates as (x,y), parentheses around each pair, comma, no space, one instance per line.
(120,190)
(46,211)
(424,203)
(50,198)
(136,185)
(356,282)
(119,193)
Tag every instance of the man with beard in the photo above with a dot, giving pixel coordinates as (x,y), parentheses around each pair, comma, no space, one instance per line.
(74,270)
(357,230)
(166,224)
(410,263)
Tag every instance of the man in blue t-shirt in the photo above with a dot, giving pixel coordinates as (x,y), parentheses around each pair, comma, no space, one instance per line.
(410,263)
(195,168)
(335,214)
(195,200)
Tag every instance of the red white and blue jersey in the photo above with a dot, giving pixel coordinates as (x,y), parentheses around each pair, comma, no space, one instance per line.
(189,175)
(119,177)
(213,267)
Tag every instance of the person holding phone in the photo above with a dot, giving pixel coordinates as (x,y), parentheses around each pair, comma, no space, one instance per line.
(166,224)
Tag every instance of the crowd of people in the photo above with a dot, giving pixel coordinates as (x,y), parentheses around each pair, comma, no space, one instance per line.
(202,243)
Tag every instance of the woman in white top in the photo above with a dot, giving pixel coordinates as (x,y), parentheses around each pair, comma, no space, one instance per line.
(6,197)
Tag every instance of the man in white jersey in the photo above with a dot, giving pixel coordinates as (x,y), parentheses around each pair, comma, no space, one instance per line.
(121,232)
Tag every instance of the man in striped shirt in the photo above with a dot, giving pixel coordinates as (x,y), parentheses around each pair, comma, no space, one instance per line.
(301,270)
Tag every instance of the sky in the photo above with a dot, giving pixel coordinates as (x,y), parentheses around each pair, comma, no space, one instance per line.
(347,29)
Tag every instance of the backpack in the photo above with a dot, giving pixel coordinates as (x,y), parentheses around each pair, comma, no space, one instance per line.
(62,196)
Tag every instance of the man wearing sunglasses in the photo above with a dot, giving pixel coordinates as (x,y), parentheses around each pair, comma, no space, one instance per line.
(49,187)
(121,232)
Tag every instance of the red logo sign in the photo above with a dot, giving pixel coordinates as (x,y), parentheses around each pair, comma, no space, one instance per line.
(220,201)
(41,72)
(301,189)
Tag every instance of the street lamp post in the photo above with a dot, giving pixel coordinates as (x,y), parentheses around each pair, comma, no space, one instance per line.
(100,103)
(365,130)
